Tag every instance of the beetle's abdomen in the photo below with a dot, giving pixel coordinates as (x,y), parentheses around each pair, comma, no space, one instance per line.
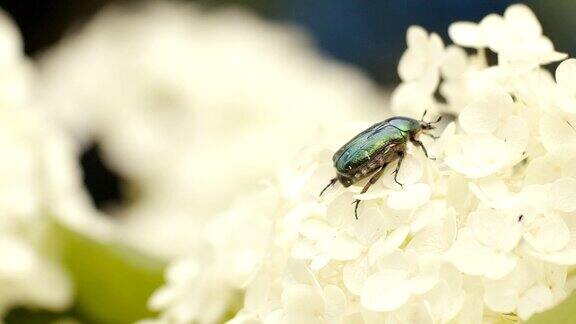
(359,151)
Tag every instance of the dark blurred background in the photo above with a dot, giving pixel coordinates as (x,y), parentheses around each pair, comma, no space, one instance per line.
(367,33)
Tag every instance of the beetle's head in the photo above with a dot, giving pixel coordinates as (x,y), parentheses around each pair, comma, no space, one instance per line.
(424,125)
(345,180)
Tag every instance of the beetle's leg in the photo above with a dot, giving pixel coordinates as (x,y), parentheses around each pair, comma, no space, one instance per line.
(418,143)
(367,186)
(400,159)
(330,184)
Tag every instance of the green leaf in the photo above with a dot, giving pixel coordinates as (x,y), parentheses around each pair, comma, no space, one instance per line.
(112,282)
(564,312)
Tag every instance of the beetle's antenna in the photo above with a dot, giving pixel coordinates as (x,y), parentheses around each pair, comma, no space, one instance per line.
(332,182)
(423,115)
(437,120)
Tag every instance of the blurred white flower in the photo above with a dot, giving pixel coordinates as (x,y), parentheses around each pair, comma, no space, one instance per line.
(423,57)
(193,107)
(516,37)
(482,234)
(29,276)
(419,68)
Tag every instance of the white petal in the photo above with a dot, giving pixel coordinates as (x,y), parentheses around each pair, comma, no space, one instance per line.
(384,291)
(548,233)
(566,75)
(435,50)
(412,65)
(295,316)
(534,300)
(397,261)
(340,212)
(302,298)
(317,181)
(492,192)
(562,195)
(565,99)
(316,229)
(541,170)
(523,20)
(345,247)
(568,169)
(494,31)
(466,34)
(503,295)
(454,63)
(387,245)
(370,226)
(304,249)
(409,98)
(426,214)
(422,283)
(477,156)
(275,317)
(514,132)
(335,304)
(472,258)
(479,117)
(355,274)
(428,84)
(471,310)
(555,132)
(163,297)
(436,238)
(411,196)
(410,172)
(416,37)
(444,303)
(496,230)
(502,300)
(183,270)
(547,56)
(258,291)
(414,312)
(320,261)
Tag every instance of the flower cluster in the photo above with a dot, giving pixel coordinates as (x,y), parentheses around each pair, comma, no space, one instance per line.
(485,232)
(192,107)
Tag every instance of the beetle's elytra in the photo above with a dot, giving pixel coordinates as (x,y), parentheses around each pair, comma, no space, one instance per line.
(368,153)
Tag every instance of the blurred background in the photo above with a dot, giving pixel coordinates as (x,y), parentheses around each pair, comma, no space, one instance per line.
(367,34)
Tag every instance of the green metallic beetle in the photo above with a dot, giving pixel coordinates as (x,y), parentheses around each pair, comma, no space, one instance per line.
(368,153)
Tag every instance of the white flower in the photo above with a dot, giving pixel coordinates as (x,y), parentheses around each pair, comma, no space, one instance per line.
(495,137)
(423,56)
(516,36)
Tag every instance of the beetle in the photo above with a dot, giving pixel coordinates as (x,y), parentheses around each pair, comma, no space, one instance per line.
(368,153)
